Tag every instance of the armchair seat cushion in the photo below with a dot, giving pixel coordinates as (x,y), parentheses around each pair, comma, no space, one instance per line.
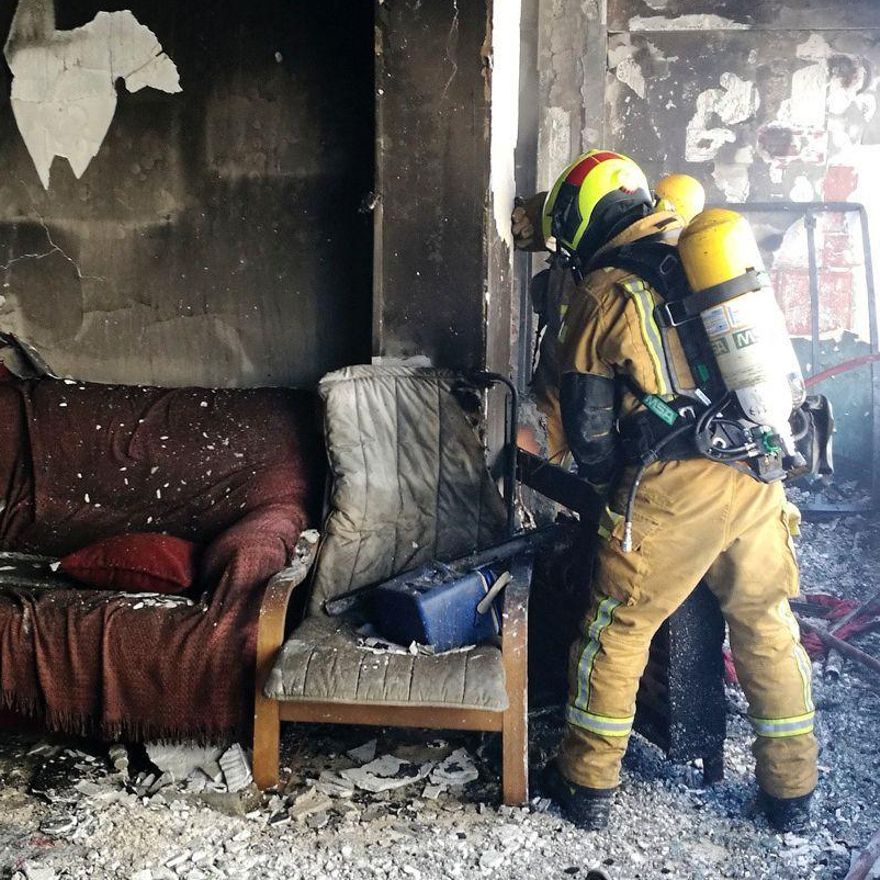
(323,661)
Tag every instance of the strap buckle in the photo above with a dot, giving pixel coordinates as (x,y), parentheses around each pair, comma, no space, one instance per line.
(671,314)
(667,265)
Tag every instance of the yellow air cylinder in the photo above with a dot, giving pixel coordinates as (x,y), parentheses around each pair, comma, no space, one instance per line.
(746,328)
(717,246)
(682,194)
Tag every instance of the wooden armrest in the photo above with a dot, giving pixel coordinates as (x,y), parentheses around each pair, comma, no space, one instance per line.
(515,610)
(515,656)
(276,599)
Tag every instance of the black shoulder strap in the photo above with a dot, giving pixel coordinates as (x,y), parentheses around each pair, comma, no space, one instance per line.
(654,259)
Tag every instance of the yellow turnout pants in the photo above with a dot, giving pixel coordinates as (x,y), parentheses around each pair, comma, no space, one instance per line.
(694,519)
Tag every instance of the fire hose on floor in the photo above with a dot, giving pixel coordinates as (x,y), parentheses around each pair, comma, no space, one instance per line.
(843,367)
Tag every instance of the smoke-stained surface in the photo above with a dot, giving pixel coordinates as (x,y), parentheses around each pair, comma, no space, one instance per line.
(215,237)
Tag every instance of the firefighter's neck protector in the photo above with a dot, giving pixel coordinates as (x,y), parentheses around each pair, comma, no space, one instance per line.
(598,196)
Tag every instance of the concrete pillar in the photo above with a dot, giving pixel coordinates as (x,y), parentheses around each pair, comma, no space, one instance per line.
(447,101)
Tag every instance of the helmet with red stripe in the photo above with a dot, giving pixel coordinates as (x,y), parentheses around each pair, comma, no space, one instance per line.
(594,199)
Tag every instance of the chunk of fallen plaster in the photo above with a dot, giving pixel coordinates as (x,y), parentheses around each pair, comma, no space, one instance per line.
(182,759)
(236,768)
(118,756)
(333,784)
(64,82)
(386,773)
(44,749)
(59,825)
(33,871)
(308,804)
(457,769)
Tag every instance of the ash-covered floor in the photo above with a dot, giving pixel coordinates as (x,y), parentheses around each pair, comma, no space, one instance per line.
(65,811)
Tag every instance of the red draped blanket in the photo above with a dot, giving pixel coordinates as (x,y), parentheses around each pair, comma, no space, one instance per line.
(237,471)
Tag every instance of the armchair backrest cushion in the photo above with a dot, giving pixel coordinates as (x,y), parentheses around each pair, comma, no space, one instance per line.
(410,482)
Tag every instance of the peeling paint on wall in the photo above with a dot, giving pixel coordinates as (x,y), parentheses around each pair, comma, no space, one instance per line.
(732,180)
(736,101)
(156,267)
(64,82)
(630,74)
(830,103)
(636,65)
(554,145)
(692,22)
(572,61)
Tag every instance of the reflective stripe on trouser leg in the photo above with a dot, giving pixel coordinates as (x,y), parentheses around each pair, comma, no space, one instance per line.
(801,658)
(578,711)
(796,725)
(601,724)
(779,727)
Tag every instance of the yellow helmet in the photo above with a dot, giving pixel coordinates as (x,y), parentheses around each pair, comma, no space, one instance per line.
(595,198)
(682,194)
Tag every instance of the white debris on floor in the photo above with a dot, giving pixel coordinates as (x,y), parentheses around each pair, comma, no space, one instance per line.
(185,760)
(364,753)
(386,773)
(368,803)
(457,769)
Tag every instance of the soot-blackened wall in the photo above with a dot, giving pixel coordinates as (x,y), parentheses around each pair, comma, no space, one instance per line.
(215,238)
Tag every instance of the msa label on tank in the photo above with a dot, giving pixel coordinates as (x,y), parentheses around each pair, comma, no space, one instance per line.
(745,338)
(715,321)
(744,311)
(720,346)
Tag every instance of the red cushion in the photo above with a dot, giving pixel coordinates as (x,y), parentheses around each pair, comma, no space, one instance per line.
(136,563)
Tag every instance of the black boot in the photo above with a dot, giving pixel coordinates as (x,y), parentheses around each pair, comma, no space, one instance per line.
(588,808)
(786,814)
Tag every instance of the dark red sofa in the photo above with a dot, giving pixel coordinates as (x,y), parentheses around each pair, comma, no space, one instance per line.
(239,472)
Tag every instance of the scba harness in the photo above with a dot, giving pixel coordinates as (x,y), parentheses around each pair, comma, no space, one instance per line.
(700,417)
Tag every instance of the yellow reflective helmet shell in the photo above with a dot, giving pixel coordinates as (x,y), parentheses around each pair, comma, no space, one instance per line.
(682,194)
(570,206)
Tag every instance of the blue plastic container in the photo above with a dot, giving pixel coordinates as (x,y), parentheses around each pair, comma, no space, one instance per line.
(437,609)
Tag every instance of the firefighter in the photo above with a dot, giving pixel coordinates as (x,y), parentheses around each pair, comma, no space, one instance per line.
(551,289)
(692,518)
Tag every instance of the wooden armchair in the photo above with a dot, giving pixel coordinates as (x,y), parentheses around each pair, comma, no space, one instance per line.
(510,720)
(410,484)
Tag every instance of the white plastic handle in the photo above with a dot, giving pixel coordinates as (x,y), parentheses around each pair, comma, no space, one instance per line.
(486,602)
